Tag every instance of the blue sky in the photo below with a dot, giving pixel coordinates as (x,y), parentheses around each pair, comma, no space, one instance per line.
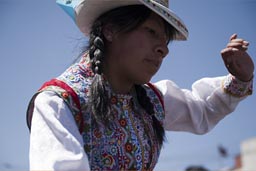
(38,41)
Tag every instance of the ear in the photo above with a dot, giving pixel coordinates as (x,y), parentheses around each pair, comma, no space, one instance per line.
(108,32)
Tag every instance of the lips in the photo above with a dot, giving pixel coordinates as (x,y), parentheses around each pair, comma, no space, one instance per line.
(154,63)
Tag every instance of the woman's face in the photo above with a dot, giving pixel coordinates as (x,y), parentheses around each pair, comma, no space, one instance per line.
(134,57)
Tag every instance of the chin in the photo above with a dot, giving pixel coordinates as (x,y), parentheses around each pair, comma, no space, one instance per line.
(143,80)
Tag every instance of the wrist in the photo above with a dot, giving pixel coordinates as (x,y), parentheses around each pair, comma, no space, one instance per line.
(236,87)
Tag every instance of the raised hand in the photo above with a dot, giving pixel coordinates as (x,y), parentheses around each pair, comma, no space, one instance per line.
(237,61)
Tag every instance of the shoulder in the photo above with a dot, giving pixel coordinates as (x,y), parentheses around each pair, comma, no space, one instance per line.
(44,103)
(154,93)
(156,99)
(53,97)
(46,97)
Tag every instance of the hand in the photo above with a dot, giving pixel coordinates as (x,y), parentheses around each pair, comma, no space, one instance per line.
(238,62)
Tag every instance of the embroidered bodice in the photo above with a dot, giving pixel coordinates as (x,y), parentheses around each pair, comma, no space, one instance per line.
(129,144)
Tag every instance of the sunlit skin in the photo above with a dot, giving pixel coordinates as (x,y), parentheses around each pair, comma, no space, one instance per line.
(237,61)
(134,57)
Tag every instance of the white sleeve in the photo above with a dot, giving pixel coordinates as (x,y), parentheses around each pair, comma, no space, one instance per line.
(55,142)
(199,110)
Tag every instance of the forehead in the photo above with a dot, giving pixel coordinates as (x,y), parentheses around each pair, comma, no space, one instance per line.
(155,19)
(161,26)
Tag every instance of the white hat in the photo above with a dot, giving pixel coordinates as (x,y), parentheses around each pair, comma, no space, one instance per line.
(85,12)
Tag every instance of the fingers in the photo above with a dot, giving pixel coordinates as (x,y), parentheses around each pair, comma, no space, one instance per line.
(226,52)
(226,55)
(237,60)
(237,43)
(238,46)
(234,36)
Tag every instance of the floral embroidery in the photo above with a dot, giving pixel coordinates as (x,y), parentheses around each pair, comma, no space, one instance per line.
(122,122)
(129,144)
(65,95)
(128,147)
(113,100)
(235,87)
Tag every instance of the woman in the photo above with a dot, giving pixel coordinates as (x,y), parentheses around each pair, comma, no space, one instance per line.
(103,114)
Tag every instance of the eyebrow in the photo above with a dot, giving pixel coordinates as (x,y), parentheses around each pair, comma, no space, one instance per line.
(162,25)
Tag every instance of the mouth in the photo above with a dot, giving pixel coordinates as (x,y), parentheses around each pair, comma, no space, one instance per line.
(153,63)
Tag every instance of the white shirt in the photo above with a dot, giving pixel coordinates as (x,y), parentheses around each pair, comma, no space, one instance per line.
(56,144)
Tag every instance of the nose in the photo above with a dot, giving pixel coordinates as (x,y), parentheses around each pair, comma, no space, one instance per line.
(162,50)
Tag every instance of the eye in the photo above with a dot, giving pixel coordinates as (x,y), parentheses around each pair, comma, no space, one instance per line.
(155,34)
(151,31)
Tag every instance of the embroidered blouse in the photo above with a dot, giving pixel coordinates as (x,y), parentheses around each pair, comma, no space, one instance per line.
(56,143)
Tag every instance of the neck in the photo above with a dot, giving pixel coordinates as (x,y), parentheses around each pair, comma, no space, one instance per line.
(118,85)
(117,81)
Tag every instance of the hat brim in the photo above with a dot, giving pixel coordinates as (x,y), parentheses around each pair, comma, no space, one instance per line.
(88,11)
(168,16)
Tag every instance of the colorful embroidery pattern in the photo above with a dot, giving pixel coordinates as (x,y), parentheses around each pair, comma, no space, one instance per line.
(237,88)
(130,143)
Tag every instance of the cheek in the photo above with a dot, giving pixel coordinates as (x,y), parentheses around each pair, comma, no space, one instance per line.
(134,46)
(135,43)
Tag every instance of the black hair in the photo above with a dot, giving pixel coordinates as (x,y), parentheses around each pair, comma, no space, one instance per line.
(124,19)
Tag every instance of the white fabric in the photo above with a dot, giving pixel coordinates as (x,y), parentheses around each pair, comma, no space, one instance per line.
(199,110)
(56,144)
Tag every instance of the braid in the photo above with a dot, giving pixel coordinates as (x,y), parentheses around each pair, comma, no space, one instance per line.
(124,19)
(145,102)
(98,93)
